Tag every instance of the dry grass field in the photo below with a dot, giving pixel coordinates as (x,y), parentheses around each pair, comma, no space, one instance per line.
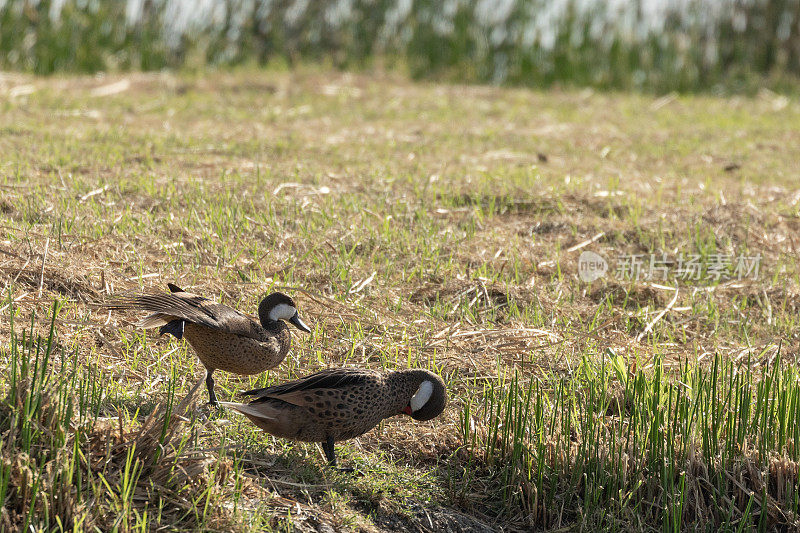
(423,225)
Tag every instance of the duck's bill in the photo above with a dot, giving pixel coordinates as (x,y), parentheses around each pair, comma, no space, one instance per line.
(299,324)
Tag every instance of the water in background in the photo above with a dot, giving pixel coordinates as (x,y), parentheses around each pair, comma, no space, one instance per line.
(657,45)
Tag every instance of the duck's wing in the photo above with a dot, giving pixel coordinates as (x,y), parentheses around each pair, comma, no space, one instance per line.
(298,391)
(181,305)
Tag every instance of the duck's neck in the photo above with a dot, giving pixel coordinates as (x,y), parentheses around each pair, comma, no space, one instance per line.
(278,330)
(275,326)
(412,376)
(404,384)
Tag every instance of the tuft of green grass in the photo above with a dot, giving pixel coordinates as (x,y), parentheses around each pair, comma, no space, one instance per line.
(67,466)
(709,443)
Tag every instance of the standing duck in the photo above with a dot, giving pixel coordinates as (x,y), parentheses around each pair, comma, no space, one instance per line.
(340,404)
(223,338)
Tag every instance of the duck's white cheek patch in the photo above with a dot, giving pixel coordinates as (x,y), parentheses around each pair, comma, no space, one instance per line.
(284,311)
(422,396)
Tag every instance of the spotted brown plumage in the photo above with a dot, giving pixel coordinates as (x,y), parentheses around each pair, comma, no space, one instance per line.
(222,337)
(340,404)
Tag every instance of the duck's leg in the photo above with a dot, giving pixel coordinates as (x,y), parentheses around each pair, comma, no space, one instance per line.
(330,455)
(212,397)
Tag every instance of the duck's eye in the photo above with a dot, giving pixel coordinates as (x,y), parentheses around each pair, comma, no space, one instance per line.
(282,311)
(422,396)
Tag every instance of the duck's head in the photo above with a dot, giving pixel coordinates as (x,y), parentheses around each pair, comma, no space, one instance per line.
(278,306)
(430,397)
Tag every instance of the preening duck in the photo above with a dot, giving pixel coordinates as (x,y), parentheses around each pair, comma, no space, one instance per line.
(340,404)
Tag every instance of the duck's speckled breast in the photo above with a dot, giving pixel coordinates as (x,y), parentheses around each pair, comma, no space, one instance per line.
(219,350)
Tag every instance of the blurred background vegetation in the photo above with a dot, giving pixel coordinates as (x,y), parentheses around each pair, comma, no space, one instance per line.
(725,46)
